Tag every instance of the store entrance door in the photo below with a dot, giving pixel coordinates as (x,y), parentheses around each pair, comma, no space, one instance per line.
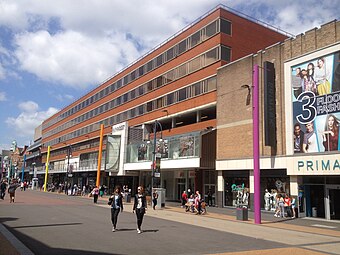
(334,204)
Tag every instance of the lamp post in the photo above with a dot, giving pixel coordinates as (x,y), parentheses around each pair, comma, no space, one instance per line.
(154,153)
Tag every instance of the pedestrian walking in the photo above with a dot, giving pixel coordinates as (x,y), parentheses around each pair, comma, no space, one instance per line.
(95,193)
(154,199)
(140,207)
(116,202)
(3,187)
(11,190)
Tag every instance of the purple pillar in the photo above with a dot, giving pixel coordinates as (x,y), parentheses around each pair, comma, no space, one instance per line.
(256,146)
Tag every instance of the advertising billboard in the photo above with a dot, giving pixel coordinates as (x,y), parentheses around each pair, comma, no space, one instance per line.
(315,98)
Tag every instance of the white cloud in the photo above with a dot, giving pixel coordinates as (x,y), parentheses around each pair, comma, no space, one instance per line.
(3,96)
(73,58)
(30,117)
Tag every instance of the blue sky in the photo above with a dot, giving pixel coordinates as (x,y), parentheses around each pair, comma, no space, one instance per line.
(53,52)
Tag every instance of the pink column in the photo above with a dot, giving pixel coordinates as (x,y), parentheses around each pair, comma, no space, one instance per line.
(256,145)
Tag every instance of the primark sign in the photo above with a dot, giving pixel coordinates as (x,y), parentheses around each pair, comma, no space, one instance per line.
(322,166)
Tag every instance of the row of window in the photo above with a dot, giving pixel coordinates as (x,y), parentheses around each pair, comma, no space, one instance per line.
(205,33)
(172,75)
(191,91)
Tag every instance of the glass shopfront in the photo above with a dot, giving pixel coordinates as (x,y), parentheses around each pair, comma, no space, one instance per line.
(236,188)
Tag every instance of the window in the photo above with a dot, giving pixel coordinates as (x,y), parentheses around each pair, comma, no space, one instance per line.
(211,29)
(225,53)
(170,76)
(133,75)
(149,86)
(141,71)
(159,102)
(119,83)
(182,94)
(125,97)
(170,99)
(141,110)
(195,64)
(225,27)
(182,47)
(159,60)
(149,66)
(197,89)
(159,81)
(149,106)
(133,94)
(195,38)
(141,90)
(211,83)
(182,70)
(170,54)
(211,56)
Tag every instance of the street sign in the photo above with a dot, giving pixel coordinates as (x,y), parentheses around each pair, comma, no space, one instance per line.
(70,175)
(158,175)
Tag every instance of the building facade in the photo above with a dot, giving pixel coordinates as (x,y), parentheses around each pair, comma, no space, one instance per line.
(161,106)
(299,153)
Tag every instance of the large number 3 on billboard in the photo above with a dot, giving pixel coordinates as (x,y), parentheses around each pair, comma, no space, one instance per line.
(308,110)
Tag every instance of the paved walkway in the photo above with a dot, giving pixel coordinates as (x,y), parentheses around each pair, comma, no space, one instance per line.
(307,235)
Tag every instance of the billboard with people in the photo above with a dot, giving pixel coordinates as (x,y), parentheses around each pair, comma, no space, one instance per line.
(315,97)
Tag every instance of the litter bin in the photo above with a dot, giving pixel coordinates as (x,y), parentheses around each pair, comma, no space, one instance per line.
(127,197)
(242,213)
(314,212)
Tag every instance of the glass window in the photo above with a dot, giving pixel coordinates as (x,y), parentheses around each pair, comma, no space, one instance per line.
(149,86)
(159,103)
(125,97)
(225,27)
(182,70)
(141,90)
(119,100)
(195,64)
(149,66)
(197,89)
(140,109)
(132,112)
(159,60)
(195,38)
(211,83)
(133,75)
(211,56)
(149,106)
(132,94)
(182,47)
(170,99)
(126,79)
(106,91)
(170,76)
(159,81)
(182,94)
(170,54)
(225,53)
(141,71)
(211,29)
(119,83)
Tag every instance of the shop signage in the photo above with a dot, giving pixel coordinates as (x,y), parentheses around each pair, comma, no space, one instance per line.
(321,166)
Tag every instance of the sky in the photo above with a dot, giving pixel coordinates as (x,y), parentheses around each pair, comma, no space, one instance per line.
(54,52)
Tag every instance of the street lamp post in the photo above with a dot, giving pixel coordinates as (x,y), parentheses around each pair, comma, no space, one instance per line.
(154,152)
(69,172)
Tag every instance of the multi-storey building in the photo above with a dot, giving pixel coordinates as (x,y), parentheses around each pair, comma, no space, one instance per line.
(299,154)
(172,89)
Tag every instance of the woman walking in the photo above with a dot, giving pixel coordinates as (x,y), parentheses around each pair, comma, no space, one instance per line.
(139,207)
(95,193)
(116,202)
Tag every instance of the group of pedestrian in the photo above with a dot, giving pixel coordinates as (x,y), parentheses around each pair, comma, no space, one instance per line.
(11,188)
(285,206)
(139,207)
(193,202)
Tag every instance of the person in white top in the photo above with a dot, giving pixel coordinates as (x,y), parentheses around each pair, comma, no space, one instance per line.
(310,140)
